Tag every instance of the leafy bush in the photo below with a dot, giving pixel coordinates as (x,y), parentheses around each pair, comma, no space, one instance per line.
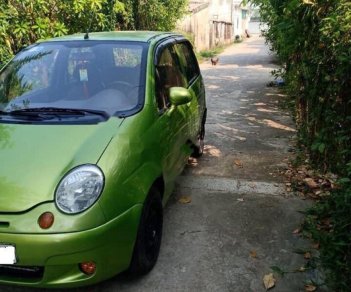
(329,224)
(22,22)
(312,40)
(156,14)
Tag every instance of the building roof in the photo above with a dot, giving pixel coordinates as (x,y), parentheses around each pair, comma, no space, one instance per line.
(196,6)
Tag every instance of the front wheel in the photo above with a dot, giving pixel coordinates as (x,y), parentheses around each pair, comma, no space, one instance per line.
(148,242)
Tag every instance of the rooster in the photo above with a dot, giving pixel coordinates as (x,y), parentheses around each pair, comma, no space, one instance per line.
(214,61)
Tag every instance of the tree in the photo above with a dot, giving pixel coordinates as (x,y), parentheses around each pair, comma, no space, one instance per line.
(152,14)
(22,22)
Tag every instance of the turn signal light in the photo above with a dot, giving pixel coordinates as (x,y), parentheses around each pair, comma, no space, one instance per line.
(88,268)
(46,220)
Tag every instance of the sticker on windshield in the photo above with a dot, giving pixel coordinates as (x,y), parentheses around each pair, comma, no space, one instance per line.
(83,75)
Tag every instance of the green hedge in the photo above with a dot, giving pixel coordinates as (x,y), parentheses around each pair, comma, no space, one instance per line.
(312,39)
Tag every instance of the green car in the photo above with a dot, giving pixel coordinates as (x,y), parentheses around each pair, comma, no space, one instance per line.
(94,130)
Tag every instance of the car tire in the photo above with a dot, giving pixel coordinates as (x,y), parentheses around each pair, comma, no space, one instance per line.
(198,148)
(148,242)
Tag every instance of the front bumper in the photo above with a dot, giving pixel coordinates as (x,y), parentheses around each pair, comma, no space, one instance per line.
(110,246)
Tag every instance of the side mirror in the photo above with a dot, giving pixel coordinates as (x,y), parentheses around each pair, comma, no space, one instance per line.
(179,95)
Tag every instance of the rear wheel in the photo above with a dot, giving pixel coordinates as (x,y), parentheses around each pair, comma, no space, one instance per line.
(148,242)
(198,148)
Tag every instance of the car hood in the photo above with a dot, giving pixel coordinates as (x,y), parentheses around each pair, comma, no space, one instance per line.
(34,158)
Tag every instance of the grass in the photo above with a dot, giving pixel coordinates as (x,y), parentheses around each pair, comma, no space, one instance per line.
(207,54)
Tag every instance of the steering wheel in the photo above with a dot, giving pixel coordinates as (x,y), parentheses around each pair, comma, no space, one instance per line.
(122,86)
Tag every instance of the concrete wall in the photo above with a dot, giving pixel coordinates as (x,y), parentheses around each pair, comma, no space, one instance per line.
(237,20)
(220,33)
(241,18)
(197,24)
(220,10)
(214,22)
(221,28)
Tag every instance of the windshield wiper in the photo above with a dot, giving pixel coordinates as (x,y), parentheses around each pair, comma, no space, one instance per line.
(20,114)
(44,111)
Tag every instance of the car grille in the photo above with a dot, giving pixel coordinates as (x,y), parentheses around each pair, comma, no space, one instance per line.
(28,272)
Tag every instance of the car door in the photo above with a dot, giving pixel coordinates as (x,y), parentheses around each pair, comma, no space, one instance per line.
(172,120)
(196,108)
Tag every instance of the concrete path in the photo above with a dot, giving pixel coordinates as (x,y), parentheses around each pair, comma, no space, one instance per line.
(240,220)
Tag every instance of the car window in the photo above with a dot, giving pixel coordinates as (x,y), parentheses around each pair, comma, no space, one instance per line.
(168,74)
(127,57)
(79,59)
(106,76)
(33,72)
(188,61)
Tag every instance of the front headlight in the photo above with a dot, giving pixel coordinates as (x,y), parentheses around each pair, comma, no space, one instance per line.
(79,189)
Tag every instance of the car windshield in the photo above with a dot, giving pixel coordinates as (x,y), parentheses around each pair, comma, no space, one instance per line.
(93,76)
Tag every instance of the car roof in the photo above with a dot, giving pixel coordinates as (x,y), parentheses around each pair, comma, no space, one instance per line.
(140,36)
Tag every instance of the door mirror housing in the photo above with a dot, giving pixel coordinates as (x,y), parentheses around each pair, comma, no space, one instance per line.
(179,95)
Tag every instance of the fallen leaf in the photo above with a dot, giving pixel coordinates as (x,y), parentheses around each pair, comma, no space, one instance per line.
(327,183)
(192,161)
(253,254)
(300,251)
(296,231)
(326,222)
(325,194)
(269,281)
(240,200)
(307,255)
(288,184)
(252,185)
(316,245)
(238,163)
(310,288)
(310,173)
(309,2)
(302,269)
(184,200)
(311,183)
